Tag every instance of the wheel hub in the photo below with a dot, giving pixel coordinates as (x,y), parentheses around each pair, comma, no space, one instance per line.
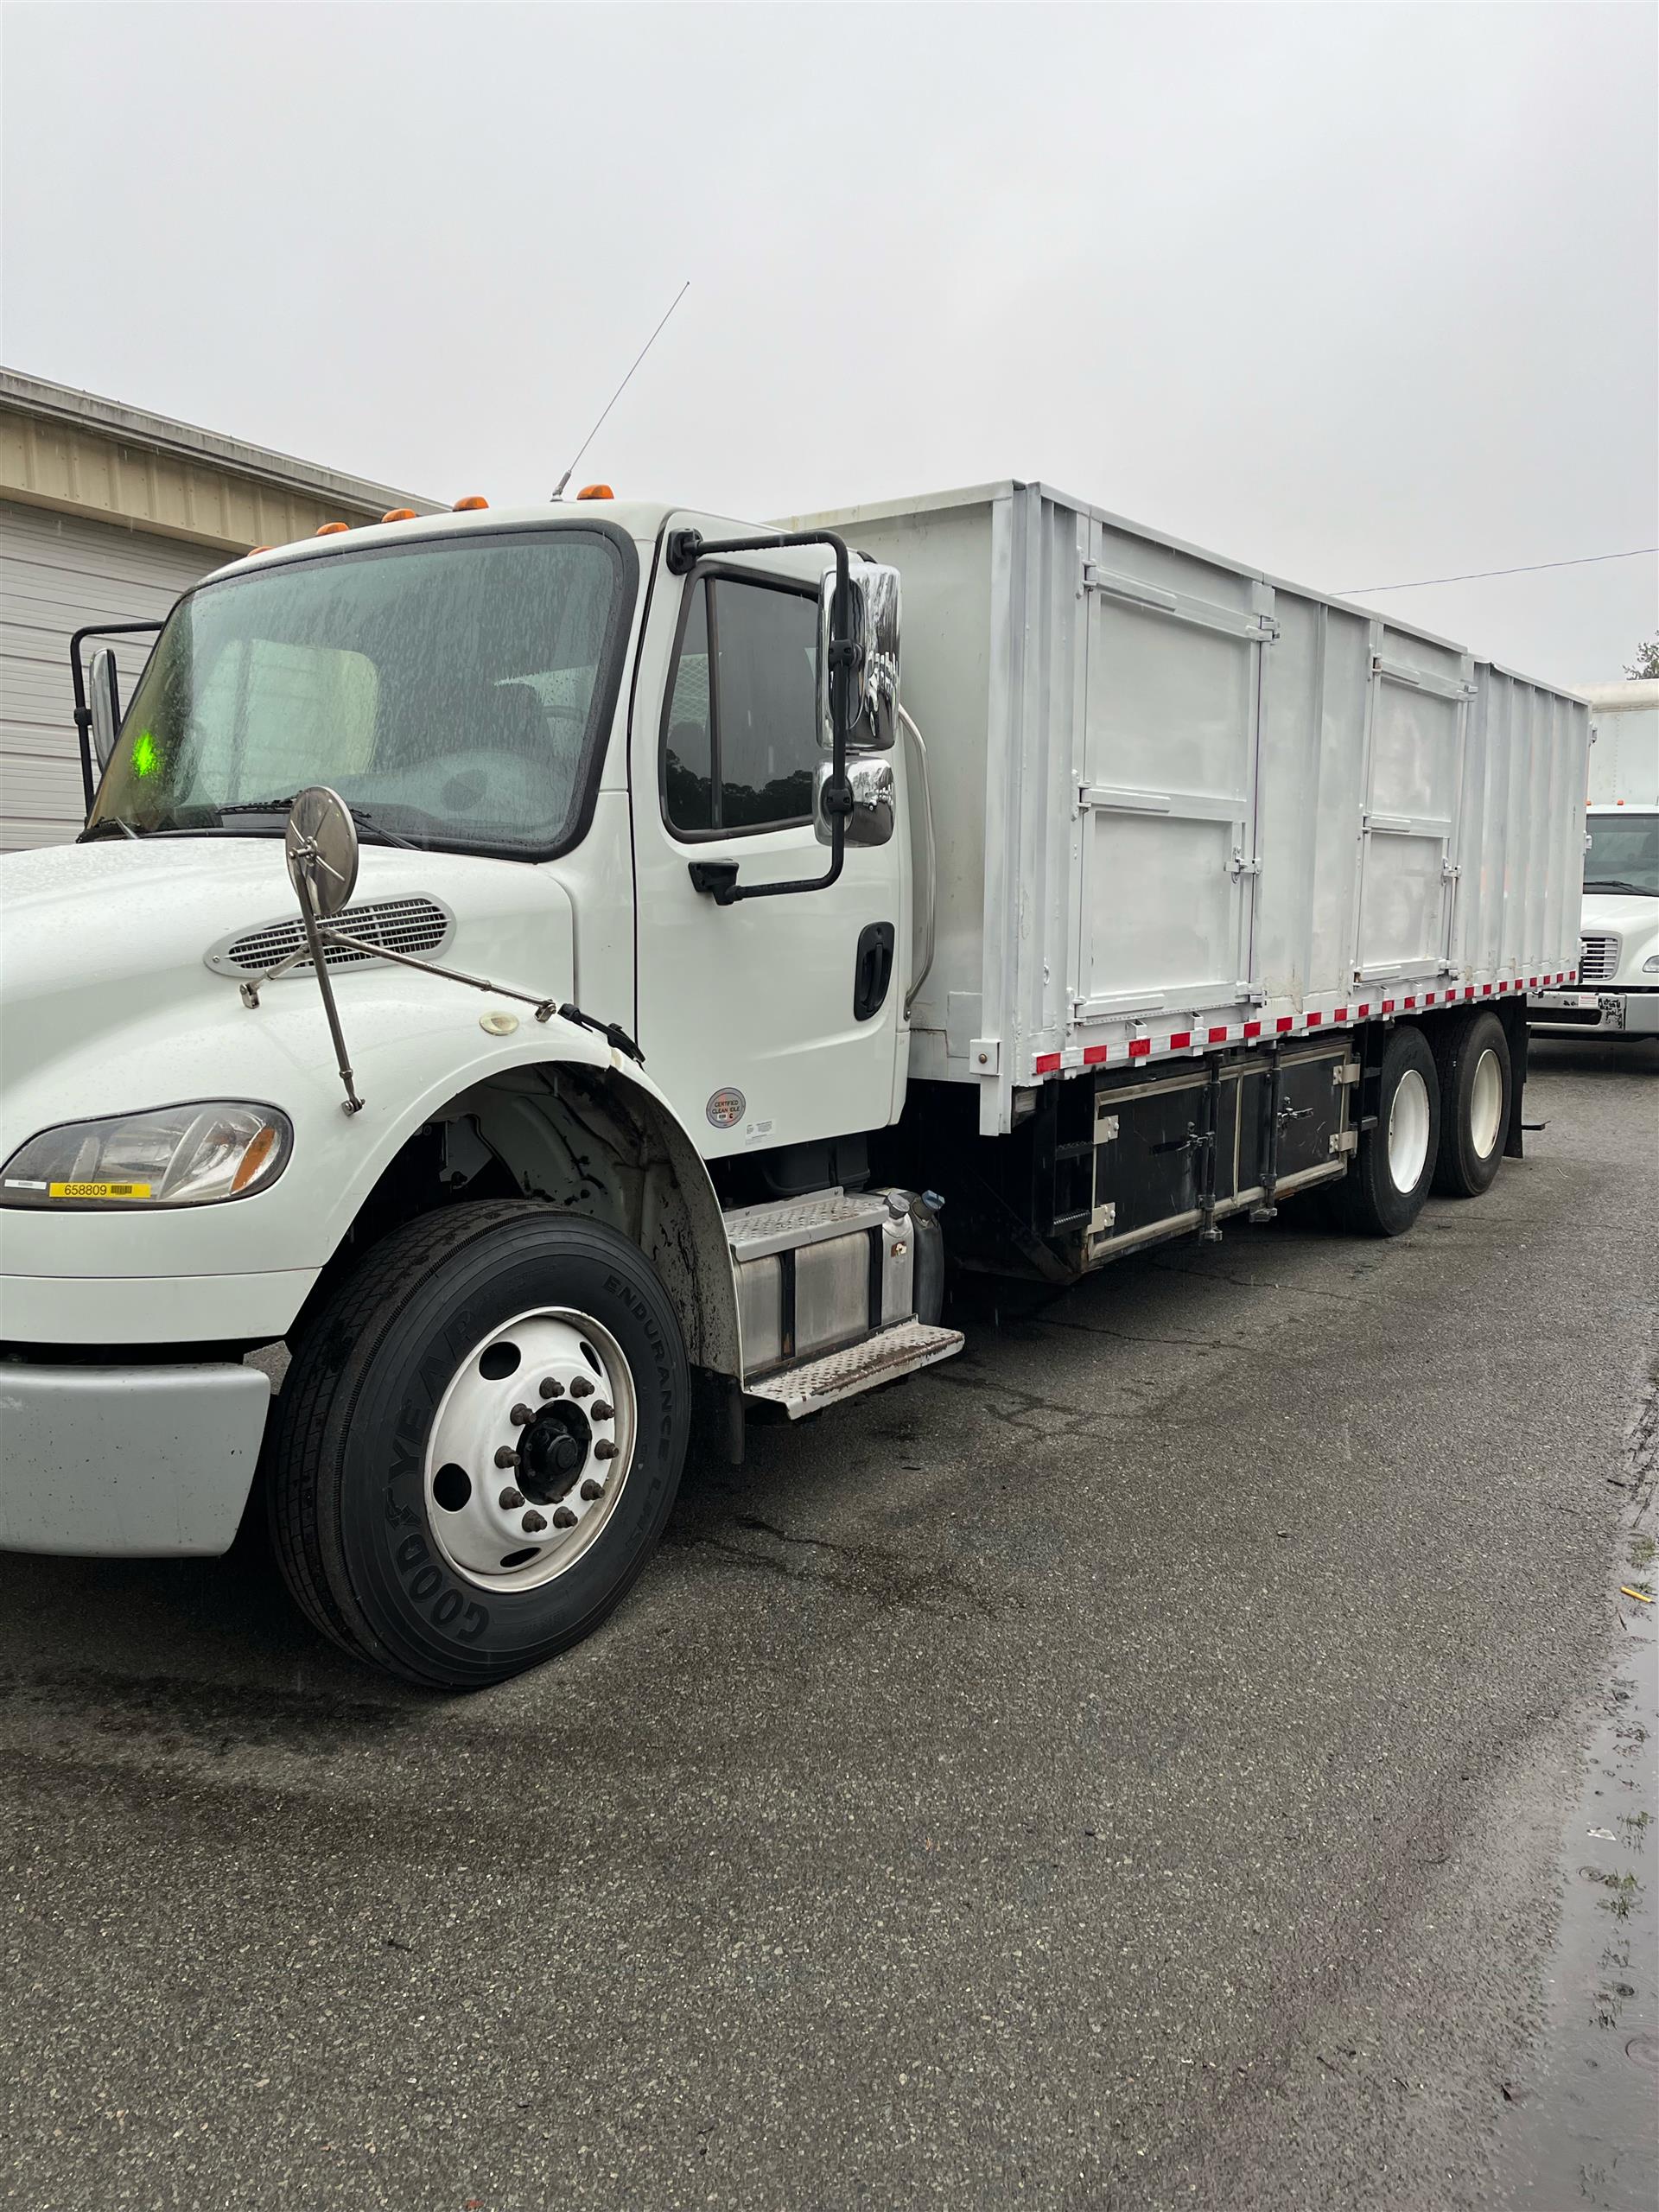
(553,1451)
(530,1448)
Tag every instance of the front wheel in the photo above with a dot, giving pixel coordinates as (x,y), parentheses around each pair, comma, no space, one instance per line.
(478,1441)
(1394,1165)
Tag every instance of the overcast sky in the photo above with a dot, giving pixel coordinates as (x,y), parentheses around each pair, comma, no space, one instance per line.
(1362,294)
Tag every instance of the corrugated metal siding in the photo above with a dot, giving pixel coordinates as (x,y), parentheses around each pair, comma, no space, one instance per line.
(58,573)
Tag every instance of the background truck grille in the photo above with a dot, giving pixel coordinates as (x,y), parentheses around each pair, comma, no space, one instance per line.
(1598,959)
(416,927)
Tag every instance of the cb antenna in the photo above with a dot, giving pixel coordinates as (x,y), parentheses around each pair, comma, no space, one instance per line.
(558,489)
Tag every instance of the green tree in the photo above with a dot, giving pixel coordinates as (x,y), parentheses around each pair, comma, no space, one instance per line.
(1647,659)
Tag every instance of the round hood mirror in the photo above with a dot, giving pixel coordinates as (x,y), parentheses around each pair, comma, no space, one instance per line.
(320,842)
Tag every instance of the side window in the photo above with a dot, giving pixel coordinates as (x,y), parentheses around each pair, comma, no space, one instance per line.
(740,737)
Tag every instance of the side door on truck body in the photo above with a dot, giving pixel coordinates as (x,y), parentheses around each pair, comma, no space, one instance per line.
(772,1020)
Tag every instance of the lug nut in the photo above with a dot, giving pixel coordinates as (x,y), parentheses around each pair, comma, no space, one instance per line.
(533,1522)
(604,1449)
(551,1387)
(510,1500)
(506,1456)
(520,1415)
(602,1411)
(565,1518)
(582,1388)
(591,1490)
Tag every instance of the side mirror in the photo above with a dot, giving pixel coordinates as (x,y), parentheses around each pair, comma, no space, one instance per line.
(874,632)
(321,847)
(105,703)
(871,820)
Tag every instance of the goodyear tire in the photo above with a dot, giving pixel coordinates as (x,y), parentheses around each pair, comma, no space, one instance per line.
(1394,1165)
(478,1441)
(1476,1091)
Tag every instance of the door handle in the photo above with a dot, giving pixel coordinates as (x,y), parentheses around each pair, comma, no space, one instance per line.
(872,970)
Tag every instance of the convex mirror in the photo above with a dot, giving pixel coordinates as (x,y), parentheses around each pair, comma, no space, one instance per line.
(320,842)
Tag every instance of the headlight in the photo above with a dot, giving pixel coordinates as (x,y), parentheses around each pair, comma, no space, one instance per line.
(1650,965)
(173,1156)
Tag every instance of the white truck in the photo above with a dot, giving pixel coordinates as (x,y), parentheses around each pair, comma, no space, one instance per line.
(695,999)
(1616,993)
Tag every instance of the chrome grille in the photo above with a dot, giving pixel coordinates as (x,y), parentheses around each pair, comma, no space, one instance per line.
(1598,959)
(419,927)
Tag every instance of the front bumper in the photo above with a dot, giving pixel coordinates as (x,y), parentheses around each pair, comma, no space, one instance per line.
(1623,1011)
(147,1462)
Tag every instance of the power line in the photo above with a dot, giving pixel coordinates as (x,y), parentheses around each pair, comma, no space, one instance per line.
(1472,576)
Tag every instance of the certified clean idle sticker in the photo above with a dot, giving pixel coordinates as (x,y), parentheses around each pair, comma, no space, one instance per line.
(724,1109)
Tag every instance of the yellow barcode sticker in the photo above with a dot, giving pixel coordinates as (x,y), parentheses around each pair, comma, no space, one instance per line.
(97,1190)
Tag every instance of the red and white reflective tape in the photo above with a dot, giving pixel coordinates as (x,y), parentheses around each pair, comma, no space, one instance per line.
(1312,1018)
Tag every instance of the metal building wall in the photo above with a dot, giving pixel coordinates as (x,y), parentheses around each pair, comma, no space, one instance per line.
(59,572)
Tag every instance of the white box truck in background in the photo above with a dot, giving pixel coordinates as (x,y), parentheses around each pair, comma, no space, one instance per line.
(1617,993)
(698,994)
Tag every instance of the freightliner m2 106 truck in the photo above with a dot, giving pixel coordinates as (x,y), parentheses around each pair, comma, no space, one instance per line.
(573,973)
(1617,991)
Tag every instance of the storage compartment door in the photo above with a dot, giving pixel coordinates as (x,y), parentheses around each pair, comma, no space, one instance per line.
(1418,716)
(1167,794)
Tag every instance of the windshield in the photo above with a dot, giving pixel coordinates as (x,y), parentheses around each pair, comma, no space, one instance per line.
(1623,854)
(450,690)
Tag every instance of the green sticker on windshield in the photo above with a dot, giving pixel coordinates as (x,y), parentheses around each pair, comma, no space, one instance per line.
(146,755)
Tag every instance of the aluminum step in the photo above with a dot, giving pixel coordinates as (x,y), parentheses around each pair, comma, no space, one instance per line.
(880,1358)
(784,1225)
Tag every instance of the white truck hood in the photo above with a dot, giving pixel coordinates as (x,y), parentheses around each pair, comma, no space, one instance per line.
(1619,914)
(105,978)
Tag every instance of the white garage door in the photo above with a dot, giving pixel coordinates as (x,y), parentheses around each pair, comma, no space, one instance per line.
(57,573)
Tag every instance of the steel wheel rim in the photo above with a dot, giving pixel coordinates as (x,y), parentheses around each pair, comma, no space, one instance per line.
(481,1419)
(1485,1104)
(1408,1130)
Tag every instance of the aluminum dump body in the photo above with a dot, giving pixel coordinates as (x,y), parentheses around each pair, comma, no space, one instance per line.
(1181,804)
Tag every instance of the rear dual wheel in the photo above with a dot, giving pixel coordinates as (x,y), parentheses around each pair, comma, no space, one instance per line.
(1393,1164)
(1472,1061)
(478,1441)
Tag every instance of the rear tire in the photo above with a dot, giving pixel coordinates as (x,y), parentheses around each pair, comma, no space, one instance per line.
(388,1501)
(1477,1094)
(1390,1178)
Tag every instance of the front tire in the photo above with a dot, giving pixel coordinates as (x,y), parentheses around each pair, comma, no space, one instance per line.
(1394,1165)
(1477,1089)
(478,1441)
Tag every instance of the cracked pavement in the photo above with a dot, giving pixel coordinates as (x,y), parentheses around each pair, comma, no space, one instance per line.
(1122,1767)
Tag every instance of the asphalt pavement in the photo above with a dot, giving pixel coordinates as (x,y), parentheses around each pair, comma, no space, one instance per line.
(1124,1767)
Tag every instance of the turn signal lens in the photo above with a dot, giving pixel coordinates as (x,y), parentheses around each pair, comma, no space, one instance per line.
(327,528)
(595,492)
(399,514)
(466,505)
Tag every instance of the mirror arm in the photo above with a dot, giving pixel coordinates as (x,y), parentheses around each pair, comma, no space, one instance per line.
(684,549)
(83,712)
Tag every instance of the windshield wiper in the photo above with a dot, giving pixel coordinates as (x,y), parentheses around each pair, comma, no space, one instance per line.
(112,826)
(1620,883)
(365,821)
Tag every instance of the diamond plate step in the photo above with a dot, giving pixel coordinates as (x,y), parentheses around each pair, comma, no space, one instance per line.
(880,1358)
(784,1225)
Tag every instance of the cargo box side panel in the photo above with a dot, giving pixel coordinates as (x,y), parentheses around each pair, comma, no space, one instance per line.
(1167,789)
(943,556)
(1310,796)
(1419,695)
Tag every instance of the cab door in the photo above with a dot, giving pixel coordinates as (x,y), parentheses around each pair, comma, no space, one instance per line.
(772,1020)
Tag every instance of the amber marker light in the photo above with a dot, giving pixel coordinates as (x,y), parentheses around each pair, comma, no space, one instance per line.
(327,528)
(468,504)
(399,514)
(595,492)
